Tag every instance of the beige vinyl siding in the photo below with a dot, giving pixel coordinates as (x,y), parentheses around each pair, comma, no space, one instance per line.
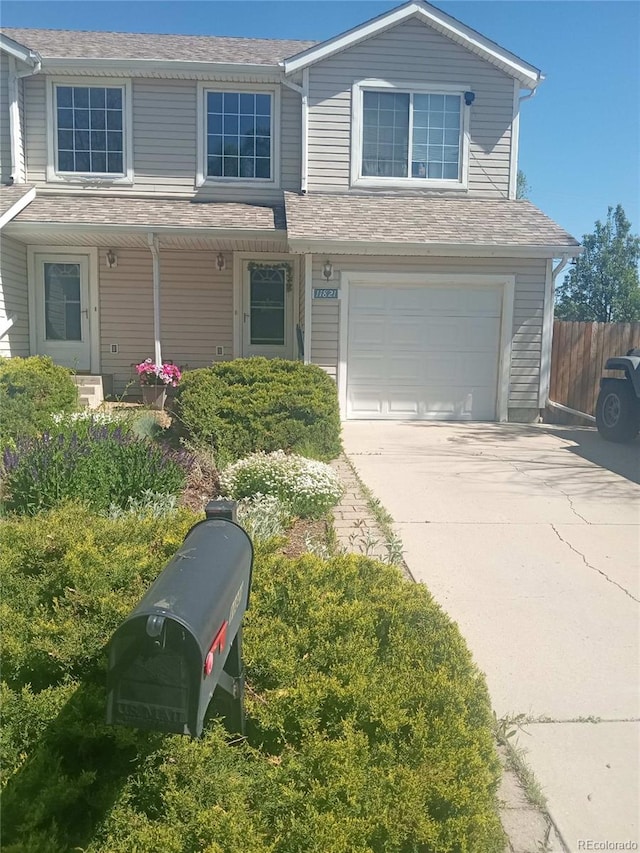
(14,298)
(164,134)
(527,318)
(410,53)
(196,303)
(35,128)
(290,139)
(165,140)
(5,132)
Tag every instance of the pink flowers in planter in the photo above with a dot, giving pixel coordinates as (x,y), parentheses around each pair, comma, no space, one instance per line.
(158,374)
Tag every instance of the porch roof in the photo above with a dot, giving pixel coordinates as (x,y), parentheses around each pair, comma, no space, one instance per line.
(13,199)
(71,212)
(455,225)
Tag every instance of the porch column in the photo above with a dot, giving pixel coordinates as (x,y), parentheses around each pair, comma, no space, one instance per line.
(308,294)
(155,254)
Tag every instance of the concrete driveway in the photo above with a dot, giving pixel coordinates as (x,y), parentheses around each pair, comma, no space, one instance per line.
(529,537)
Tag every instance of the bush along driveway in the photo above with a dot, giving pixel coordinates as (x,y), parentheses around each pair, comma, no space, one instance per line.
(369,726)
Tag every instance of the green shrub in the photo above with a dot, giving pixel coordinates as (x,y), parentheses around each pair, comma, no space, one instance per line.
(103,465)
(306,487)
(31,391)
(369,725)
(241,406)
(68,579)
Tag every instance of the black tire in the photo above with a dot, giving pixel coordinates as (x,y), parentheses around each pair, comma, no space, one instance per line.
(617,411)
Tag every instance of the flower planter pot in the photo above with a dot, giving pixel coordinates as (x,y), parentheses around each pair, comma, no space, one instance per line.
(154,396)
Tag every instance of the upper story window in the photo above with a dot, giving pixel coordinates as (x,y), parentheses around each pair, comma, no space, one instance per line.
(408,138)
(239,135)
(90,129)
(89,135)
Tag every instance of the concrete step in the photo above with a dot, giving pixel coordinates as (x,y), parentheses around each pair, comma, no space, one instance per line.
(90,391)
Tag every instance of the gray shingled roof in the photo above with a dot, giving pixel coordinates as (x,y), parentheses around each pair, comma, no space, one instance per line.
(176,213)
(421,219)
(10,195)
(71,44)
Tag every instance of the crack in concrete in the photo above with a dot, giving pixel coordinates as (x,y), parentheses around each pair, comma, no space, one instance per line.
(594,568)
(592,720)
(553,487)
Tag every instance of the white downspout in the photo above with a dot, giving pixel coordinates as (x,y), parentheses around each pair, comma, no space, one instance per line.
(555,272)
(303,91)
(15,126)
(155,253)
(308,306)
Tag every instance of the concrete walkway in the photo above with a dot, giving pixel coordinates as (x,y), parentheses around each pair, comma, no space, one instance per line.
(529,537)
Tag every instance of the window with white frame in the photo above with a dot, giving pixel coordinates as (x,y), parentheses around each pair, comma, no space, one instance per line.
(239,135)
(415,136)
(89,130)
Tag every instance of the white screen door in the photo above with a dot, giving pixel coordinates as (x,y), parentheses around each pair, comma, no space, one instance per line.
(62,309)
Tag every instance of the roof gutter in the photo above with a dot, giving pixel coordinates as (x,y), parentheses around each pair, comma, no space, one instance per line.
(96,66)
(301,245)
(20,52)
(26,228)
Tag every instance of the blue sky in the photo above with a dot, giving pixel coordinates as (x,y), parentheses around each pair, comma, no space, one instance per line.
(580,134)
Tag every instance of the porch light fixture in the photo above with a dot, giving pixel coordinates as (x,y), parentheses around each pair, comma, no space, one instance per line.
(327,270)
(220,262)
(469,98)
(112,259)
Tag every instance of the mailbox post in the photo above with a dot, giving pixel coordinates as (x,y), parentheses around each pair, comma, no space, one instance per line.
(183,641)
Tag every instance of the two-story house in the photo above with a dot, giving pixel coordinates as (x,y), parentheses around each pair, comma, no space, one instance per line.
(350,202)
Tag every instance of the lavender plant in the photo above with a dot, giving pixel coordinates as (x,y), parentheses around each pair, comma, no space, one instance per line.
(101,465)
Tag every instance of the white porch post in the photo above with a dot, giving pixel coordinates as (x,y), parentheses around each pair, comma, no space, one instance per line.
(308,294)
(155,253)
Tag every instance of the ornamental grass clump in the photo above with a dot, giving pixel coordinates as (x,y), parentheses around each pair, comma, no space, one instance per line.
(306,487)
(101,465)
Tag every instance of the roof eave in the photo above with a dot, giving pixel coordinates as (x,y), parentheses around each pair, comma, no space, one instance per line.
(19,51)
(25,228)
(17,206)
(528,75)
(57,63)
(301,245)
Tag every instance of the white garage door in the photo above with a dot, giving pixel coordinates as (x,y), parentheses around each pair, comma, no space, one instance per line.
(423,351)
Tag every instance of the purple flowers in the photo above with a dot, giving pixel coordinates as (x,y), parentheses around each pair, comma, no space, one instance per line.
(158,374)
(98,464)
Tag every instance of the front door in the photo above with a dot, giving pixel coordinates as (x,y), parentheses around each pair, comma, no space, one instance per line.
(267,328)
(62,309)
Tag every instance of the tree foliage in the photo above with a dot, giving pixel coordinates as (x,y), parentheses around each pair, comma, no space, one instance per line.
(523,187)
(603,285)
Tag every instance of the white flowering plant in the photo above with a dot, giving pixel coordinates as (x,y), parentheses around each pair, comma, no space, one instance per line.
(263,516)
(307,488)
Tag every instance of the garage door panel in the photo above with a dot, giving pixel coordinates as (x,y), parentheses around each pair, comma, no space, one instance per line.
(423,352)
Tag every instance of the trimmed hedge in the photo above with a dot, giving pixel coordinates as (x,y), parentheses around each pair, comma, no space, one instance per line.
(31,390)
(240,406)
(369,726)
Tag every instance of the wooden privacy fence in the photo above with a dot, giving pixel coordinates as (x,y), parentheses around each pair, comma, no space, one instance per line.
(577,362)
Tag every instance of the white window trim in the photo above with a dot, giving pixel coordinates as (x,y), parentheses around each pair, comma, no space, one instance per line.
(357,178)
(201,116)
(53,175)
(505,282)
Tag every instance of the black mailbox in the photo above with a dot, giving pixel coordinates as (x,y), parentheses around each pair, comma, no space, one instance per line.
(184,638)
